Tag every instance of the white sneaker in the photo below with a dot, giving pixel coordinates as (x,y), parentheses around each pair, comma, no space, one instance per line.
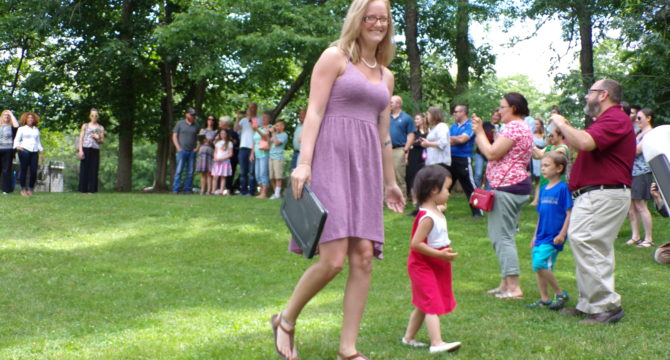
(413,343)
(274,197)
(448,347)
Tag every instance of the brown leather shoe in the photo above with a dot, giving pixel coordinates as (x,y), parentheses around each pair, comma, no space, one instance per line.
(572,312)
(607,317)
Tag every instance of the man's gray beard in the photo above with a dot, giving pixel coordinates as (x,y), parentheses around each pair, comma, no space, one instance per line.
(592,111)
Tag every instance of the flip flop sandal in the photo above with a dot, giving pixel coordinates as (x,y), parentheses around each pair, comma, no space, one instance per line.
(357,355)
(508,296)
(493,291)
(645,244)
(276,322)
(633,242)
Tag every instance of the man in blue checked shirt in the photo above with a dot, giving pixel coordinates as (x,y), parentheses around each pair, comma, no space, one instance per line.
(462,139)
(402,137)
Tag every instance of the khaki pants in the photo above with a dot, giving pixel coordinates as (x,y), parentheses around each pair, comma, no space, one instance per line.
(595,221)
(399,168)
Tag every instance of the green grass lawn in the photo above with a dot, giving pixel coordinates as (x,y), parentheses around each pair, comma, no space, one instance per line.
(130,276)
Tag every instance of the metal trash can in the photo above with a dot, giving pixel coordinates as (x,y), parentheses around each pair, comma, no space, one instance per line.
(56,176)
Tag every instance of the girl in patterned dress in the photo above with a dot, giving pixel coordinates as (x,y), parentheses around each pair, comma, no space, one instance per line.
(223,151)
(203,164)
(429,262)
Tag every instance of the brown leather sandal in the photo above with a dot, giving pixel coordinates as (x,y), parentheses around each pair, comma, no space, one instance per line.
(357,355)
(276,322)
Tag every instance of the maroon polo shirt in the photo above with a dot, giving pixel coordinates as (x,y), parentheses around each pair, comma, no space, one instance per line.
(611,163)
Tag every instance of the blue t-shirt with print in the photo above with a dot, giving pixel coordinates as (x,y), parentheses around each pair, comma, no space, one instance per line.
(401,126)
(465,149)
(552,207)
(277,151)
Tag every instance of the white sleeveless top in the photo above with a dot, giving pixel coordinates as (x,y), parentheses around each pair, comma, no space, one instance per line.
(438,236)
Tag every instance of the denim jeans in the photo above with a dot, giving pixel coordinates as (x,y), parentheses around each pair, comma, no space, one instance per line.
(262,169)
(480,166)
(247,178)
(185,161)
(294,159)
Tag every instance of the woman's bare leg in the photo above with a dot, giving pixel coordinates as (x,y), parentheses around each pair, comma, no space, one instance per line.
(644,214)
(331,261)
(634,225)
(356,293)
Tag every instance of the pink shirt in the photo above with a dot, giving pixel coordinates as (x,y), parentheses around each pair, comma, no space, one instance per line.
(511,169)
(611,163)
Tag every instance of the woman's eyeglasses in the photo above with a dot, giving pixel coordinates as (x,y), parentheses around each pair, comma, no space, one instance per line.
(373,20)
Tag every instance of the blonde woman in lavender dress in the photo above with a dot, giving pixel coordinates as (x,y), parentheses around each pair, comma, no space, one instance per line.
(346,158)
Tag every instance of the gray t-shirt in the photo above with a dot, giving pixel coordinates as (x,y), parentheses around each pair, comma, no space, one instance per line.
(6,141)
(186,134)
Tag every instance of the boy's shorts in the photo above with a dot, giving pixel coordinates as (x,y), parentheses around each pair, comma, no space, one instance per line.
(544,257)
(276,169)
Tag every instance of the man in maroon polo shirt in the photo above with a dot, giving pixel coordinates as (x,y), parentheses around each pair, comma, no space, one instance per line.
(600,183)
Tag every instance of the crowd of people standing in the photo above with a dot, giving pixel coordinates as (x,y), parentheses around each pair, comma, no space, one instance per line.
(251,147)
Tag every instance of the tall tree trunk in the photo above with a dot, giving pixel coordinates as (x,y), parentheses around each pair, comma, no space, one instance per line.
(411,33)
(586,51)
(167,119)
(24,44)
(200,96)
(164,145)
(462,47)
(584,17)
(295,87)
(124,175)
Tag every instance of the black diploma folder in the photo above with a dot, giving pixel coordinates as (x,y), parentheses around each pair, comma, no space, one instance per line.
(305,218)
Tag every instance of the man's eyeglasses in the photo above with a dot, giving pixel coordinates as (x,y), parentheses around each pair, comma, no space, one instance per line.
(594,90)
(373,20)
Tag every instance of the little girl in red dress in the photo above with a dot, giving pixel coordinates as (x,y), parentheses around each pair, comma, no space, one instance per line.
(429,262)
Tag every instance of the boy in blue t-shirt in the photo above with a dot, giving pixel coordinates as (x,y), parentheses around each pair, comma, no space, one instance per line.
(552,227)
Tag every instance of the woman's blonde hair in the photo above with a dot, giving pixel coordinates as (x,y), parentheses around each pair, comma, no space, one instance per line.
(351,29)
(12,119)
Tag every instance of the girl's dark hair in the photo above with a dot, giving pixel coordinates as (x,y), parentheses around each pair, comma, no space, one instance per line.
(648,113)
(558,159)
(518,104)
(429,178)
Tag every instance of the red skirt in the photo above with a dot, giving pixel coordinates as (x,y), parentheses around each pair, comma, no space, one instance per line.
(431,283)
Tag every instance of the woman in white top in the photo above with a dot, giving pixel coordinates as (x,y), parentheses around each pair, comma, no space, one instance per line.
(438,148)
(8,126)
(27,144)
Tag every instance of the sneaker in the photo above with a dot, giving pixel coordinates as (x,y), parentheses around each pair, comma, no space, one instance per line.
(413,343)
(274,197)
(539,304)
(559,301)
(448,347)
